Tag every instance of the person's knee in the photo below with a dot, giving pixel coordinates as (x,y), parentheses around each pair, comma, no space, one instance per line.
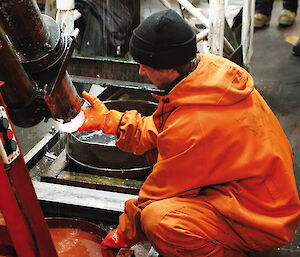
(172,232)
(159,218)
(150,218)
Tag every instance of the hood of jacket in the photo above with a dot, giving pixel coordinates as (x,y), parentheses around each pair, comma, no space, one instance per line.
(216,82)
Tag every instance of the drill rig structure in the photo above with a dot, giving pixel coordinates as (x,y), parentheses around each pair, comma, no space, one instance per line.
(34,57)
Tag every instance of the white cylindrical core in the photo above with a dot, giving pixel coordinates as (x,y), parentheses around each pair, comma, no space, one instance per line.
(72,125)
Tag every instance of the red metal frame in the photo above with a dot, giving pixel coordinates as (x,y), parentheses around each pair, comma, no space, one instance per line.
(22,213)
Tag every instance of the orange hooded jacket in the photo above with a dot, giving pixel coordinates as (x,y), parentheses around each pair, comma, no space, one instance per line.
(216,138)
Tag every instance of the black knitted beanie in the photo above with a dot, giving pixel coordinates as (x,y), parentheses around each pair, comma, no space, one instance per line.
(163,41)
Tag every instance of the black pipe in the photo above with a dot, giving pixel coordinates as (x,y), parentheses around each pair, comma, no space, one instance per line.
(22,22)
(44,53)
(18,89)
(26,108)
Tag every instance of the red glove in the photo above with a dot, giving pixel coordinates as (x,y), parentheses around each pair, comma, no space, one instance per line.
(98,117)
(113,242)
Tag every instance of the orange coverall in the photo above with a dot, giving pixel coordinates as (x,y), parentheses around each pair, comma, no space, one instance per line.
(223,181)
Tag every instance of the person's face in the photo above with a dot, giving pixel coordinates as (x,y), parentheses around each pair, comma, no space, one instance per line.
(161,78)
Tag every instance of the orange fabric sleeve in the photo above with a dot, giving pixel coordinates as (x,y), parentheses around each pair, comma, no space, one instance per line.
(137,134)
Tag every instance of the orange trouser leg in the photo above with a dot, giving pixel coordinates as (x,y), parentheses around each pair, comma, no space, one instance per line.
(189,227)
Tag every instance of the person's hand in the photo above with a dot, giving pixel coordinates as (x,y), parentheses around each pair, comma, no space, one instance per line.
(112,243)
(98,117)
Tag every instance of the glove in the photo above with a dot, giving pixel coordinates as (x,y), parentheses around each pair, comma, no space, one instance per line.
(113,242)
(98,117)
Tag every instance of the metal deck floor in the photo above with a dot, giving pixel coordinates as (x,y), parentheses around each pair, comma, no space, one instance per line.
(276,72)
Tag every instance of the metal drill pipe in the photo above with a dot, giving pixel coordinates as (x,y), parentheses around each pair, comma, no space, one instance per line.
(18,89)
(22,22)
(63,102)
(44,54)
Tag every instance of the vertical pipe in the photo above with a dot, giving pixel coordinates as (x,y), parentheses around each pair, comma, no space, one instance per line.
(248,30)
(216,26)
